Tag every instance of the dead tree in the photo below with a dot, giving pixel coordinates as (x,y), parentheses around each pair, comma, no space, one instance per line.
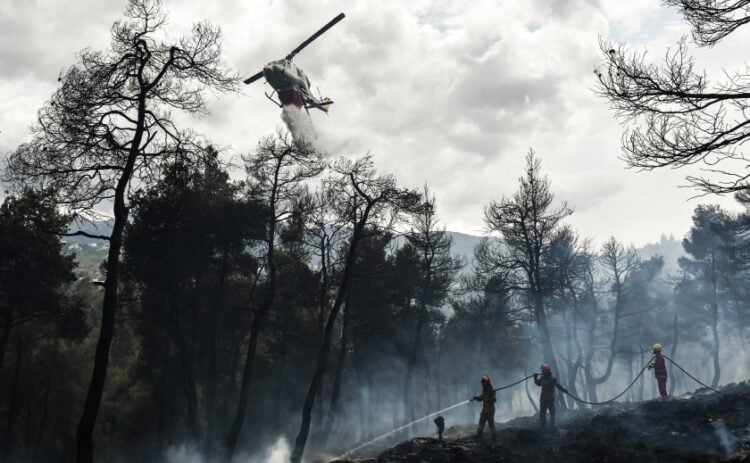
(367,199)
(618,262)
(108,131)
(527,224)
(436,270)
(277,172)
(675,116)
(712,20)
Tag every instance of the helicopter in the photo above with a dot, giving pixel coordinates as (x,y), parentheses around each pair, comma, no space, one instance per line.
(289,82)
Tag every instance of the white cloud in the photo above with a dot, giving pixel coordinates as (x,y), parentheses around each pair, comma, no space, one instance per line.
(448,92)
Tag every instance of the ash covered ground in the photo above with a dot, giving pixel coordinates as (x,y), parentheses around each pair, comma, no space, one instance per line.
(700,427)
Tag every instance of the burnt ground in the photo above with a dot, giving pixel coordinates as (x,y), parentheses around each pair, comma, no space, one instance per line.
(702,427)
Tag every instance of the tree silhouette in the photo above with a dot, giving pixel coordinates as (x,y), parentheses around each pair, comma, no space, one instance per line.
(108,130)
(675,115)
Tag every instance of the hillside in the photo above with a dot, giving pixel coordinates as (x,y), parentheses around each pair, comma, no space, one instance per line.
(704,427)
(91,252)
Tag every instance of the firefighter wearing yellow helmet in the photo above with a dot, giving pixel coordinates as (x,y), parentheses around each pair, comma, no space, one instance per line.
(659,365)
(487,397)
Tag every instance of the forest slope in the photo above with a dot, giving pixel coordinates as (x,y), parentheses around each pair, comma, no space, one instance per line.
(703,427)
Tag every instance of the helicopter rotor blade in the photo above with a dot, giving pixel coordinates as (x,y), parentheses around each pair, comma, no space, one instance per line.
(253,78)
(320,32)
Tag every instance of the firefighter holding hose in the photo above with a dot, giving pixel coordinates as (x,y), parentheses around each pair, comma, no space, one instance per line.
(487,397)
(659,365)
(548,383)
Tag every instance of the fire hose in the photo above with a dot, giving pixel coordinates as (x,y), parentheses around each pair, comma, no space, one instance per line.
(643,370)
(632,383)
(513,384)
(691,376)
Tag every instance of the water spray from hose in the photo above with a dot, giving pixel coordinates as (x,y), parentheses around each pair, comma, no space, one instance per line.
(348,452)
(400,428)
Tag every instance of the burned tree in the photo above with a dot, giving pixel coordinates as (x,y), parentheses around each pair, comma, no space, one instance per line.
(527,224)
(435,271)
(183,268)
(366,200)
(569,266)
(276,174)
(710,272)
(677,117)
(712,20)
(618,263)
(108,129)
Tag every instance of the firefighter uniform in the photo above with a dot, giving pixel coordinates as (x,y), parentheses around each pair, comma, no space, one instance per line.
(487,416)
(548,383)
(660,371)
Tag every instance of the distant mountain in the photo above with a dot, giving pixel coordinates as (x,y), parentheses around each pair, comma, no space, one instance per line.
(91,252)
(668,247)
(463,245)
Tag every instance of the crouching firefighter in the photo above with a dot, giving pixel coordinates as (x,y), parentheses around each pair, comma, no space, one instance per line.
(548,383)
(659,365)
(488,407)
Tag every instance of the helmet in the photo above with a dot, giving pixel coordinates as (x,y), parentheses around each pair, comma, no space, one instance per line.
(657,347)
(485,379)
(546,368)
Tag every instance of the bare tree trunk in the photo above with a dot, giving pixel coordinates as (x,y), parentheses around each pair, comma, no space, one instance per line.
(259,317)
(526,383)
(239,419)
(715,327)
(573,366)
(323,294)
(338,376)
(186,369)
(85,430)
(322,363)
(42,423)
(84,433)
(213,368)
(642,360)
(411,365)
(594,382)
(438,377)
(673,354)
(14,404)
(232,386)
(5,337)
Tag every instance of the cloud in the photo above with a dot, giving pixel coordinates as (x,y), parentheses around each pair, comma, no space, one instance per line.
(452,93)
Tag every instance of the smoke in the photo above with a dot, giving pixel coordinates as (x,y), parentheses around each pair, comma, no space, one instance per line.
(183,454)
(726,439)
(278,452)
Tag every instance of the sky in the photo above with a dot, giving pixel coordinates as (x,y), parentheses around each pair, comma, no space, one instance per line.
(448,93)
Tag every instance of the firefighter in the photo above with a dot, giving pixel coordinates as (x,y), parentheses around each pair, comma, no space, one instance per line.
(548,383)
(440,423)
(659,365)
(488,407)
